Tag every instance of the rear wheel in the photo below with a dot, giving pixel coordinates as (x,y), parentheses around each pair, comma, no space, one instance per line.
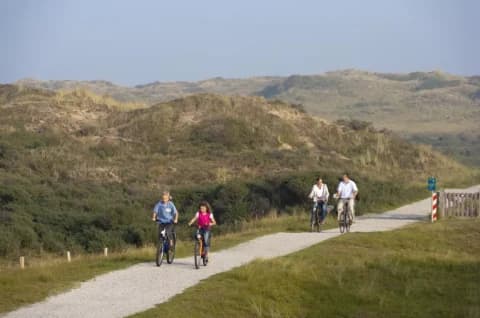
(159,258)
(196,253)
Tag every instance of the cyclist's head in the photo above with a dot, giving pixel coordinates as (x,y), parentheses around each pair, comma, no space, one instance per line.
(346,177)
(165,196)
(204,206)
(319,180)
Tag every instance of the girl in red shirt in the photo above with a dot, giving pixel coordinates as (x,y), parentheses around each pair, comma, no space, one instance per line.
(205,220)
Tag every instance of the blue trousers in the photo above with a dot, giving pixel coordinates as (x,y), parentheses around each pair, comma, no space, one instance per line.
(206,237)
(323,211)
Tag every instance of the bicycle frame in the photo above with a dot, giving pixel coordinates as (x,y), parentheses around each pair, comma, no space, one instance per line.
(201,240)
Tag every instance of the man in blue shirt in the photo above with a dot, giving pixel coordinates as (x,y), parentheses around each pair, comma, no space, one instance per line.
(165,214)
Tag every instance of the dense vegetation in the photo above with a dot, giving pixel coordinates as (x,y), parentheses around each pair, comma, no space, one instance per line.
(425,270)
(81,172)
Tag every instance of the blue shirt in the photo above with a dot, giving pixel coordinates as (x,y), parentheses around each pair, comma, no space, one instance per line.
(165,211)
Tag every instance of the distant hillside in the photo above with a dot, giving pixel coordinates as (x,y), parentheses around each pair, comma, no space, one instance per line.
(82,171)
(433,108)
(205,137)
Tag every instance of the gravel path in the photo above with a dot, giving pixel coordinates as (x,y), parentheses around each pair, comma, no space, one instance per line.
(140,287)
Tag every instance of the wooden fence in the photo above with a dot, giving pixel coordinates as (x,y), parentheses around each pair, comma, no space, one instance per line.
(459,203)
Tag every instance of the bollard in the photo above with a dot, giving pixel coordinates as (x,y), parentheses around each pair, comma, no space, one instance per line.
(69,259)
(22,262)
(434,206)
(105,251)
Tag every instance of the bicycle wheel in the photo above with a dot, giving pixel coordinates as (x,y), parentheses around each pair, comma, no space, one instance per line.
(341,223)
(171,252)
(159,258)
(347,223)
(196,253)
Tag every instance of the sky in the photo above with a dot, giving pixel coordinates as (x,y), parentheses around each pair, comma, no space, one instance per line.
(136,42)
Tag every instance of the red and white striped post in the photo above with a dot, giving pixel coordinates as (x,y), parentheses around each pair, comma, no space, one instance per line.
(434,206)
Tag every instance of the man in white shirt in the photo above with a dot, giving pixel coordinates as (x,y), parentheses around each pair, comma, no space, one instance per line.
(319,195)
(346,192)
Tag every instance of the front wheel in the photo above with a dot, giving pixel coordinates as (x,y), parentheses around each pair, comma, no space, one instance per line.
(159,258)
(347,224)
(196,253)
(341,224)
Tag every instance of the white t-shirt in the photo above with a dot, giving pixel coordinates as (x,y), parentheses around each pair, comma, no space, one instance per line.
(319,193)
(346,189)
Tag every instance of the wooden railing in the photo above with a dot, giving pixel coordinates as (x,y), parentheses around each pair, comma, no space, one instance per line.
(459,203)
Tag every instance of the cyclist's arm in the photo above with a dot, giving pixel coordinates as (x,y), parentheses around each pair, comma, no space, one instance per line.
(175,211)
(212,220)
(195,218)
(355,190)
(154,213)
(312,193)
(339,189)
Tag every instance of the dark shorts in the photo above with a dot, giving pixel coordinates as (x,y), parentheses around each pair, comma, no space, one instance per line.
(169,230)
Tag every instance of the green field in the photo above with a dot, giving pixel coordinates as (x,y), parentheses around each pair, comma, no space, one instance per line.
(423,270)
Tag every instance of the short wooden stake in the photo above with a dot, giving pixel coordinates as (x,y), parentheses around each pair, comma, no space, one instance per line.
(22,262)
(69,259)
(105,251)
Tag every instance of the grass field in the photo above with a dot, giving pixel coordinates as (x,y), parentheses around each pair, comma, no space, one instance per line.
(423,270)
(50,275)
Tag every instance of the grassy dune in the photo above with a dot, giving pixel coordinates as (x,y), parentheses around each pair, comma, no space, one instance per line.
(424,270)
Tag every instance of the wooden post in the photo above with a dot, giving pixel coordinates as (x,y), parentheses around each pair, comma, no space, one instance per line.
(69,259)
(22,262)
(105,251)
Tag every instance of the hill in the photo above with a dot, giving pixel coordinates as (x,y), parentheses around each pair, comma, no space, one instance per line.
(81,171)
(435,108)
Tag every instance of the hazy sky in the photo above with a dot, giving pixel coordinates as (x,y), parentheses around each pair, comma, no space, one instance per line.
(134,42)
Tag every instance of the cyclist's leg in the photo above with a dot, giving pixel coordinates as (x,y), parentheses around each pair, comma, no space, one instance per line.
(312,213)
(206,239)
(324,211)
(161,227)
(351,209)
(169,233)
(340,206)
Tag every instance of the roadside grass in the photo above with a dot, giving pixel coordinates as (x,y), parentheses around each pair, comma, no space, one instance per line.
(423,270)
(50,275)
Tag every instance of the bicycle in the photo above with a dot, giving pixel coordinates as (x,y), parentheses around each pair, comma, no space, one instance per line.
(199,253)
(163,247)
(317,219)
(345,222)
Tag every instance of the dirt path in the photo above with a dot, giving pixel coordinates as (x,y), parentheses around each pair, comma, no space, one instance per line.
(140,287)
